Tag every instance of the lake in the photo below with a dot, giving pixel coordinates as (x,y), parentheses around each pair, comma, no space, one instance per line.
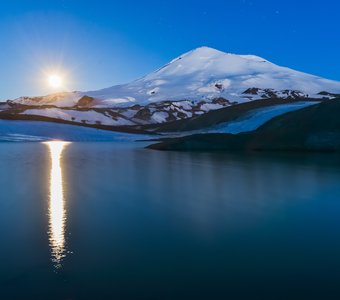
(116,221)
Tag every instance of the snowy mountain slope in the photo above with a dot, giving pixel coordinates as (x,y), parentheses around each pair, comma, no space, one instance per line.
(201,74)
(206,73)
(199,81)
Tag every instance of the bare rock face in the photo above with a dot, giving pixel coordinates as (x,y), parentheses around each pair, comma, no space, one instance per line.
(136,107)
(85,101)
(143,114)
(221,101)
(219,86)
(251,91)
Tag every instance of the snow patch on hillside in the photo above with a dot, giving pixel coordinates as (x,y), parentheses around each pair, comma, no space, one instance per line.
(256,118)
(89,117)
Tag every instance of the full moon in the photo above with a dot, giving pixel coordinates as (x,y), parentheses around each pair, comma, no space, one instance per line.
(55,81)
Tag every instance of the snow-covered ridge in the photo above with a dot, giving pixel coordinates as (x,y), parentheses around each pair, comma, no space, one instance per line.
(201,74)
(206,73)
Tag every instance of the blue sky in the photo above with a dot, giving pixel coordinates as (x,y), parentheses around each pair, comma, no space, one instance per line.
(101,43)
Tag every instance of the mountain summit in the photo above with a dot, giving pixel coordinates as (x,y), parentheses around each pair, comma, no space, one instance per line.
(201,74)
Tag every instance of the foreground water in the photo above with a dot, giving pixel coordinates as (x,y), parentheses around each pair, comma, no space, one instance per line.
(115,221)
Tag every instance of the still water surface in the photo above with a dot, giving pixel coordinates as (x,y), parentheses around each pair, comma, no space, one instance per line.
(115,221)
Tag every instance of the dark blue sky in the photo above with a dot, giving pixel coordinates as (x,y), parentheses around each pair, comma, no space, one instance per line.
(101,43)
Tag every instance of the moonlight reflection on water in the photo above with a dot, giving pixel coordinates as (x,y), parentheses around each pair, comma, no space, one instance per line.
(57,213)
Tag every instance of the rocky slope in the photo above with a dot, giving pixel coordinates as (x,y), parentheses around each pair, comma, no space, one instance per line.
(314,128)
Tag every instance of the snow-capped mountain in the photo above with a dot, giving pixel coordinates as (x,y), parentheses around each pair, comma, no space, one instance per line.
(201,74)
(201,80)
(206,73)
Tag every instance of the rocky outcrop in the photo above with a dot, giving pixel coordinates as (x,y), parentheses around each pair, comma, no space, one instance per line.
(256,93)
(85,101)
(143,114)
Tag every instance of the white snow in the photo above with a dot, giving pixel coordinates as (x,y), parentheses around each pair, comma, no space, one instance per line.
(210,106)
(90,117)
(159,117)
(129,113)
(187,113)
(193,76)
(183,104)
(203,73)
(258,117)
